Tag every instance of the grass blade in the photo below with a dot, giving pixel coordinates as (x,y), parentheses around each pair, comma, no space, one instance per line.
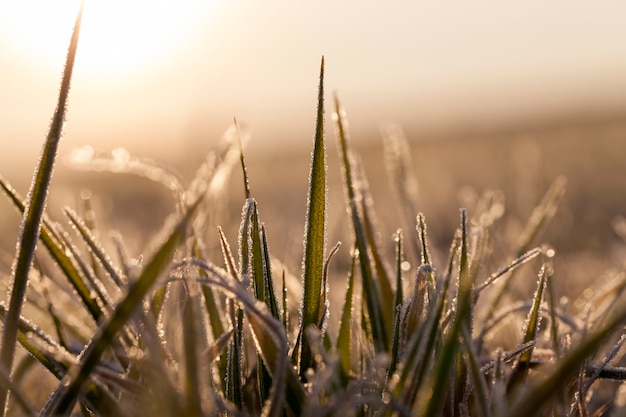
(371,287)
(345,337)
(315,234)
(191,339)
(450,349)
(532,326)
(31,221)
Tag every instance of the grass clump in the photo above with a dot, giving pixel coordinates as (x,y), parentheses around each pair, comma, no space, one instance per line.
(186,332)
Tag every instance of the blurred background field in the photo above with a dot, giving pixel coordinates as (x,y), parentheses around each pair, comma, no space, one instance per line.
(491,97)
(451,172)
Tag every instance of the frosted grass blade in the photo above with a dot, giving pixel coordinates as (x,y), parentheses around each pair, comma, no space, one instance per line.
(371,290)
(533,321)
(421,230)
(314,235)
(31,222)
(381,275)
(191,339)
(261,290)
(234,358)
(270,294)
(448,358)
(345,337)
(396,342)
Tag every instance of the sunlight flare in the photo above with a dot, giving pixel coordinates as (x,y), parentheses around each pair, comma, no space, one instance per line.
(120,37)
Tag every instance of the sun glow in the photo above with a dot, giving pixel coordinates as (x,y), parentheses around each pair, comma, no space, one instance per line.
(117,37)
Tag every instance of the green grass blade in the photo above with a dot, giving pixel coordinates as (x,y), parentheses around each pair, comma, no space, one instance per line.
(191,340)
(244,169)
(450,350)
(270,294)
(397,303)
(325,302)
(345,338)
(371,290)
(214,313)
(261,291)
(315,234)
(480,393)
(64,401)
(52,243)
(381,276)
(234,354)
(285,306)
(31,222)
(533,321)
(399,240)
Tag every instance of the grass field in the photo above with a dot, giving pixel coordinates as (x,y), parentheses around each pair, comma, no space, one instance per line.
(134,290)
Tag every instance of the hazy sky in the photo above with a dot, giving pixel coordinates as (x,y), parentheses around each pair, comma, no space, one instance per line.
(429,65)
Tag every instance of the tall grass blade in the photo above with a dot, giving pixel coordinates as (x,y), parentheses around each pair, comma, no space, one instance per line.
(234,362)
(371,287)
(244,168)
(261,291)
(270,294)
(533,321)
(381,275)
(64,398)
(449,356)
(315,235)
(214,313)
(191,340)
(345,337)
(396,341)
(31,222)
